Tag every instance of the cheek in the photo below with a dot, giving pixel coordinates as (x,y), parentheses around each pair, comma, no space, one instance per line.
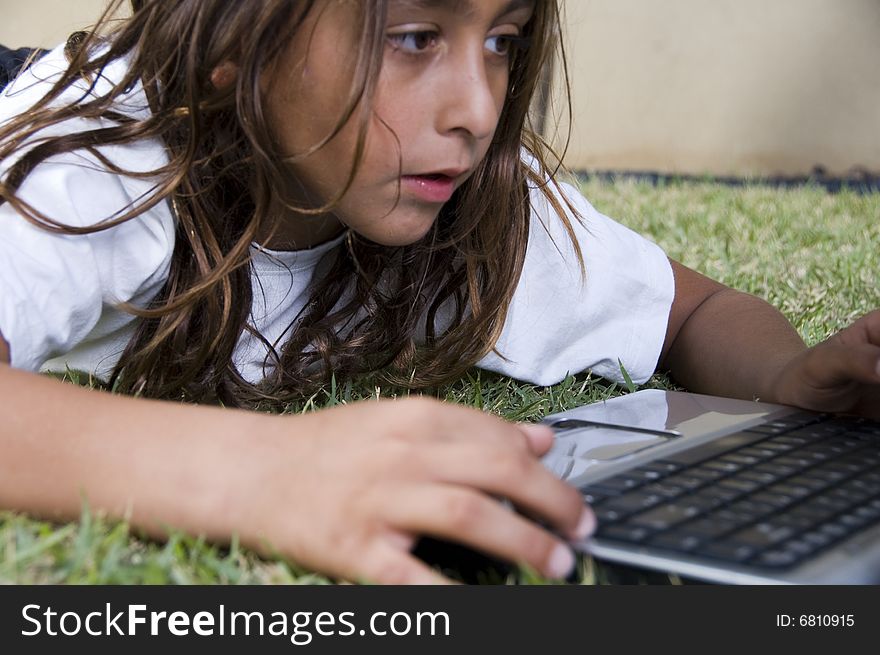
(301,116)
(310,83)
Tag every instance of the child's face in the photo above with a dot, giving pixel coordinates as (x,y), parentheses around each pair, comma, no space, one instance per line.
(441,90)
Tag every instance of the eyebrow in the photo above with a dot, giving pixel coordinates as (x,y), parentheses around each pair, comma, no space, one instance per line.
(465,7)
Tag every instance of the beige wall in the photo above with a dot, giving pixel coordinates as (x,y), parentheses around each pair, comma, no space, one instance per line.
(690,86)
(45,22)
(725,86)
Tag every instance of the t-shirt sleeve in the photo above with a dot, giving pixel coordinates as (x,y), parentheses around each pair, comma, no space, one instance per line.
(54,287)
(561,322)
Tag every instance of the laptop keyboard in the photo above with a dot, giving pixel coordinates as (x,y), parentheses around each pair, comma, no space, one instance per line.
(771,496)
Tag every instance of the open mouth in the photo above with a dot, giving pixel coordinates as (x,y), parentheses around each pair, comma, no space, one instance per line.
(439,177)
(432,188)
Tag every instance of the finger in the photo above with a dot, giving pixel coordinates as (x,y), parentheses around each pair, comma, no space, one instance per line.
(864,330)
(469,517)
(516,475)
(450,422)
(539,437)
(385,564)
(835,363)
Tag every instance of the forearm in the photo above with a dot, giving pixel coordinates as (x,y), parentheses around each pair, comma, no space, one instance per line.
(734,345)
(159,464)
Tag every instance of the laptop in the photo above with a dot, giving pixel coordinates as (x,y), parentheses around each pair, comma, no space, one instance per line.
(725,491)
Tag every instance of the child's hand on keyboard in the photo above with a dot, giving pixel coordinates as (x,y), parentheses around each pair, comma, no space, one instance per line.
(841,374)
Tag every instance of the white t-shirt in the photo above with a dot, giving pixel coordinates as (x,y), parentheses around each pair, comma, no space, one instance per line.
(58,293)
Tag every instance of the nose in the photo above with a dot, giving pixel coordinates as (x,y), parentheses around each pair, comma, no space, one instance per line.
(467,101)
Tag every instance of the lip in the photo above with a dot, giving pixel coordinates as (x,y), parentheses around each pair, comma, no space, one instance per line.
(433,187)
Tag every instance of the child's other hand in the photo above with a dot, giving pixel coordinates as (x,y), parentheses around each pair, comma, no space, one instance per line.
(841,374)
(347,491)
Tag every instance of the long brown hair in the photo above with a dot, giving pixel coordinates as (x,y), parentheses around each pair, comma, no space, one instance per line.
(223,170)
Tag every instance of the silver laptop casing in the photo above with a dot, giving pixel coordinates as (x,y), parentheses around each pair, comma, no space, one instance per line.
(668,422)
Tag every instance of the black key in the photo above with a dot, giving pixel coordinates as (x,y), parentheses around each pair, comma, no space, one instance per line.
(752,507)
(806,418)
(700,502)
(854,463)
(790,439)
(834,530)
(722,494)
(777,558)
(703,499)
(786,423)
(623,532)
(631,502)
(620,483)
(594,493)
(842,444)
(777,448)
(607,516)
(739,457)
(778,501)
(840,423)
(758,451)
(726,551)
(758,476)
(737,483)
(815,432)
(778,470)
(707,528)
(867,486)
(592,498)
(869,512)
(723,466)
(824,429)
(793,490)
(871,460)
(815,453)
(852,520)
(794,460)
(797,523)
(810,482)
(707,474)
(713,448)
(736,519)
(662,518)
(816,538)
(676,541)
(762,535)
(851,494)
(845,468)
(828,475)
(836,499)
(684,480)
(661,467)
(663,489)
(767,428)
(646,475)
(800,547)
(812,513)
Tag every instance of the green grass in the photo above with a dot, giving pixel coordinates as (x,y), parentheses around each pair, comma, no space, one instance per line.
(812,254)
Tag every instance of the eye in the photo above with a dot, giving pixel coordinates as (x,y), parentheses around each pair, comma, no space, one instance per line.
(505,45)
(413,42)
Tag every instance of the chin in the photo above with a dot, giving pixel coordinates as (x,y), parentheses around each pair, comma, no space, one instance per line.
(400,232)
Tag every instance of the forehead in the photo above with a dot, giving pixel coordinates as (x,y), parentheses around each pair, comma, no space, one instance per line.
(464,8)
